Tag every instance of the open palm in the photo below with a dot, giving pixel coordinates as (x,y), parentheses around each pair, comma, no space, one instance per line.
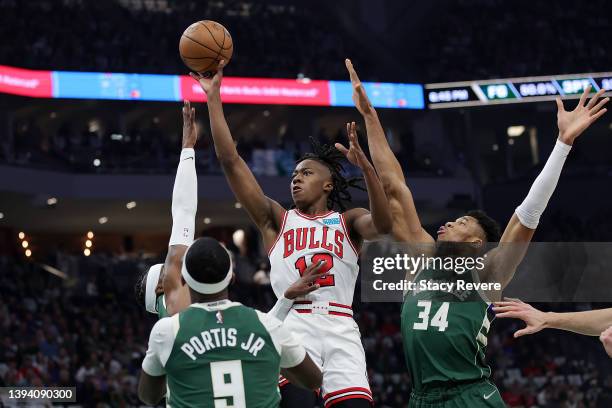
(572,123)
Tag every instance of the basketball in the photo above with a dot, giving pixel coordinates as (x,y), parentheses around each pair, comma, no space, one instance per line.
(204,44)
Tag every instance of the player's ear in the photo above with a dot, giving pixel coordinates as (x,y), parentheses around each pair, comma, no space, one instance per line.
(183,283)
(476,242)
(328,186)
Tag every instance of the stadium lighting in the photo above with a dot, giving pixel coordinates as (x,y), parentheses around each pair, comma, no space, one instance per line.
(266,113)
(1,215)
(21,235)
(207,220)
(103,220)
(88,243)
(52,201)
(131,205)
(237,205)
(495,147)
(93,125)
(90,234)
(515,131)
(116,136)
(25,244)
(511,142)
(28,253)
(97,162)
(86,252)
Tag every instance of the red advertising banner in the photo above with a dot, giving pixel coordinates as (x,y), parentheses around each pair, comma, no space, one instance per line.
(25,82)
(262,91)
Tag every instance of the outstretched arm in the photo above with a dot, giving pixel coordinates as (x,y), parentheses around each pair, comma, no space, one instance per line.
(590,323)
(502,261)
(407,225)
(367,225)
(265,212)
(184,207)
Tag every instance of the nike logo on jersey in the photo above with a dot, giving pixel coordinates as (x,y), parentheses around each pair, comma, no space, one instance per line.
(488,396)
(187,158)
(219,317)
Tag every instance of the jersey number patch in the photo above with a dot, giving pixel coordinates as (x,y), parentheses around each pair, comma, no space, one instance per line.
(228,384)
(327,279)
(439,320)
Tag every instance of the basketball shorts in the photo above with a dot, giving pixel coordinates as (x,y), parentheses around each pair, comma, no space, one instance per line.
(333,342)
(477,394)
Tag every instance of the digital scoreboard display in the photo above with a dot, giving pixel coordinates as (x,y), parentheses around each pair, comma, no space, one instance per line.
(513,90)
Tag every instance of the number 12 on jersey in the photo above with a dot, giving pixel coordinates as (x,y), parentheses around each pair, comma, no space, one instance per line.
(327,279)
(439,320)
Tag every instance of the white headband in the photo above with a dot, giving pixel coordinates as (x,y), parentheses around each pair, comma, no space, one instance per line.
(152,280)
(207,288)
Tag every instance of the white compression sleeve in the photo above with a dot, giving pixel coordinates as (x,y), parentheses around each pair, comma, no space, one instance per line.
(184,200)
(281,308)
(533,206)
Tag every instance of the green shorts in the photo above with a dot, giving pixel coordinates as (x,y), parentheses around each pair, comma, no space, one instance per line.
(481,393)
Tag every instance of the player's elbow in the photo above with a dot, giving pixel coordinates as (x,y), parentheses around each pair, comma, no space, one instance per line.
(227,160)
(389,182)
(147,396)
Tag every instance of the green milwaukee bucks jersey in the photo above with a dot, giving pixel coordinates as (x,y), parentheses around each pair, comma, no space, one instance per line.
(221,354)
(445,331)
(160,304)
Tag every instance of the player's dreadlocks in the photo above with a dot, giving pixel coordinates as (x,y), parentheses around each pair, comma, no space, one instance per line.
(332,158)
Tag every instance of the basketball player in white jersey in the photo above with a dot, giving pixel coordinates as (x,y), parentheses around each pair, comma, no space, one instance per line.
(161,288)
(317,230)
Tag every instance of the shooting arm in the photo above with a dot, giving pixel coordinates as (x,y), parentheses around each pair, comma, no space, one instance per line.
(265,212)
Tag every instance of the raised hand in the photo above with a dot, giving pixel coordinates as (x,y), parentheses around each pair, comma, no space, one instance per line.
(210,85)
(354,153)
(190,133)
(517,309)
(360,97)
(572,123)
(306,283)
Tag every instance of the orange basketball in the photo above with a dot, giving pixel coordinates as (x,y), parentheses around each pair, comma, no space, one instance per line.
(204,44)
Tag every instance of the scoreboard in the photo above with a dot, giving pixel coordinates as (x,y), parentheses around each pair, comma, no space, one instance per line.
(513,90)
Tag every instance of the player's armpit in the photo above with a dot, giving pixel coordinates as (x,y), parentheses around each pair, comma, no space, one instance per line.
(306,374)
(151,389)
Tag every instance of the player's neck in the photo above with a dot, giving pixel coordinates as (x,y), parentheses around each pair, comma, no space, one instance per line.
(202,298)
(315,209)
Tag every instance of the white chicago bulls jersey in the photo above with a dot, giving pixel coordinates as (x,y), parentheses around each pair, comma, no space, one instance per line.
(306,239)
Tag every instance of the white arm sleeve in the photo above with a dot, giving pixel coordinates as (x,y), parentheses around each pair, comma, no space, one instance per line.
(184,200)
(281,308)
(161,341)
(533,206)
(291,352)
